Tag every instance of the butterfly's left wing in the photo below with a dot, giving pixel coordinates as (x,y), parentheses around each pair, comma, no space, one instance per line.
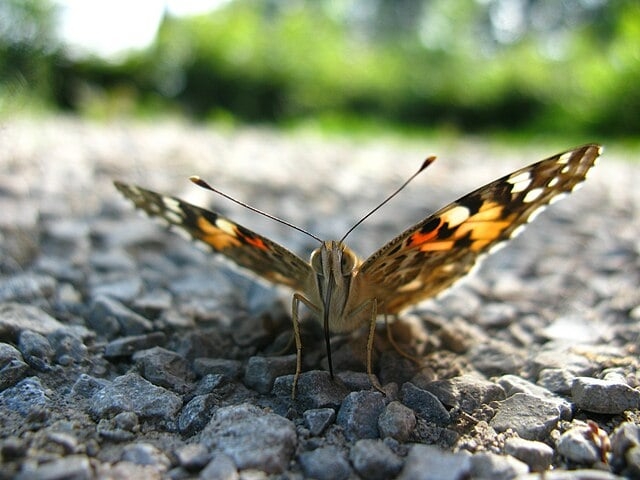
(430,256)
(245,248)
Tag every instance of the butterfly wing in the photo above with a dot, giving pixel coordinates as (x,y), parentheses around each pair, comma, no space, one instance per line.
(239,244)
(430,256)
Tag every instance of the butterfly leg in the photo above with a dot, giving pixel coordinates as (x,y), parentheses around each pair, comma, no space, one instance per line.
(372,304)
(395,346)
(297,298)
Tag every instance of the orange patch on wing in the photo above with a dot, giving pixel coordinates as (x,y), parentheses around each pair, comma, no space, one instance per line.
(419,238)
(219,237)
(436,246)
(256,242)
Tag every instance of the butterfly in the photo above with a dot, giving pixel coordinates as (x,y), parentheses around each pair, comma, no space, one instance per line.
(344,292)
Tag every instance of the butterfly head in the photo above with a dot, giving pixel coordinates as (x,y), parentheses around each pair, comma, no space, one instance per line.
(333,263)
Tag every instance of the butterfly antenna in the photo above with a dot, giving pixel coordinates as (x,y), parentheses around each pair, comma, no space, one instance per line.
(424,165)
(201,183)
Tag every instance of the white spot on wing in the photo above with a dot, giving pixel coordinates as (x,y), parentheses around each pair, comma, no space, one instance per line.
(564,158)
(226,226)
(553,182)
(456,215)
(532,195)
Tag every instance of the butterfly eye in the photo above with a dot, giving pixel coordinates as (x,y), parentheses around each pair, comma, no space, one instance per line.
(347,262)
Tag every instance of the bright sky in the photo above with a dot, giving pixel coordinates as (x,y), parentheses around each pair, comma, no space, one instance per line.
(110,27)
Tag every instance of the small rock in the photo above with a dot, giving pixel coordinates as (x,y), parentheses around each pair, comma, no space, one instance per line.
(15,317)
(396,421)
(27,287)
(12,367)
(325,463)
(214,366)
(427,462)
(623,438)
(253,438)
(120,286)
(68,347)
(359,413)
(375,460)
(145,454)
(68,442)
(13,448)
(261,372)
(26,396)
(556,380)
(603,396)
(126,421)
(220,467)
(209,383)
(86,386)
(193,457)
(513,384)
(111,318)
(315,389)
(164,368)
(529,416)
(489,465)
(576,445)
(71,467)
(133,393)
(466,392)
(123,347)
(36,350)
(537,455)
(318,419)
(496,358)
(195,414)
(425,404)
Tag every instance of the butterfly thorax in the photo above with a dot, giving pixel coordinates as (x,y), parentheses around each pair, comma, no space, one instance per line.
(335,267)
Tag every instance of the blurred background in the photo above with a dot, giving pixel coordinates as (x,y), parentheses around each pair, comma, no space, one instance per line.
(518,67)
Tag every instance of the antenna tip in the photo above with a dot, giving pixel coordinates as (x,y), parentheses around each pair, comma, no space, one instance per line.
(428,161)
(198,181)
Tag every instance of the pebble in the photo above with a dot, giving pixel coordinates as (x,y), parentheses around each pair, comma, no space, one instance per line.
(27,287)
(68,347)
(126,421)
(316,389)
(119,286)
(195,414)
(625,445)
(318,419)
(604,396)
(358,414)
(556,380)
(12,366)
(220,467)
(428,462)
(325,463)
(86,386)
(531,417)
(537,455)
(576,445)
(212,366)
(142,453)
(252,437)
(133,393)
(71,467)
(36,350)
(111,318)
(193,457)
(488,465)
(124,347)
(15,318)
(513,384)
(261,372)
(27,396)
(494,358)
(425,404)
(372,459)
(164,368)
(466,392)
(396,421)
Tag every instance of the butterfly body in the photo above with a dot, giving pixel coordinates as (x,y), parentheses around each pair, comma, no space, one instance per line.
(345,293)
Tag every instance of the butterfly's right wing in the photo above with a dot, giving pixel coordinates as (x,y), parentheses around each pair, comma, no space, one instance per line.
(242,246)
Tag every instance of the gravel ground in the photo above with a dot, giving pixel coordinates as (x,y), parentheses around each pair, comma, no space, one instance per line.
(126,352)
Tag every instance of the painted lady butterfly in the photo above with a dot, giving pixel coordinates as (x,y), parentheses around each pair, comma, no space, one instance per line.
(345,293)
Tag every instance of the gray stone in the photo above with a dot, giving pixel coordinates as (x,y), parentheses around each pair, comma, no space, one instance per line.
(15,317)
(359,413)
(111,318)
(164,368)
(27,287)
(86,386)
(195,414)
(124,347)
(209,383)
(585,474)
(325,463)
(425,404)
(396,421)
(252,437)
(576,444)
(133,393)
(68,347)
(142,453)
(71,467)
(261,372)
(529,416)
(372,459)
(466,392)
(603,396)
(556,380)
(213,366)
(12,367)
(427,462)
(36,350)
(513,384)
(318,419)
(24,397)
(537,455)
(220,467)
(496,358)
(315,389)
(126,421)
(623,438)
(193,457)
(122,287)
(489,466)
